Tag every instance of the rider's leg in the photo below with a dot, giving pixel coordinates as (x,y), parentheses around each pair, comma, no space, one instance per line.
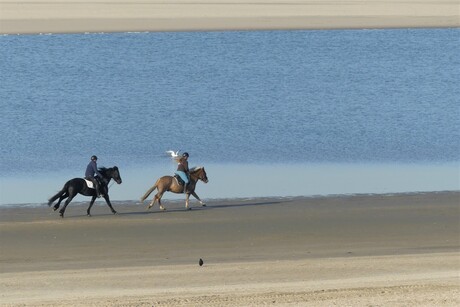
(97,187)
(185,183)
(184,178)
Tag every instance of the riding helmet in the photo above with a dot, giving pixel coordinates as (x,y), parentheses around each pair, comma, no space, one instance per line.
(185,154)
(93,158)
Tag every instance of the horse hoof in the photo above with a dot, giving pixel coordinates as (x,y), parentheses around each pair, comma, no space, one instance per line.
(88,215)
(115,212)
(189,209)
(203,205)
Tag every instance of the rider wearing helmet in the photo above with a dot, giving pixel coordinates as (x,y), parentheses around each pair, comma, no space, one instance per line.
(182,169)
(91,171)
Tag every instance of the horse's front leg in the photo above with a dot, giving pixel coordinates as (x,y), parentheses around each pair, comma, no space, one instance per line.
(187,200)
(196,196)
(107,200)
(88,212)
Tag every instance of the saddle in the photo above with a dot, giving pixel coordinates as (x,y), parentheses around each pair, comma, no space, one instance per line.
(90,184)
(179,180)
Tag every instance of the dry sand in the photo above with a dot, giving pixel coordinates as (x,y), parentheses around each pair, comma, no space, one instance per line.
(70,16)
(380,250)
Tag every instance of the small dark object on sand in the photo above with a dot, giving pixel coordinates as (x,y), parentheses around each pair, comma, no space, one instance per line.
(200,262)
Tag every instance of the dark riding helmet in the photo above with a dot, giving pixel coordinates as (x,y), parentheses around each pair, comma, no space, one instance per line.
(185,154)
(93,158)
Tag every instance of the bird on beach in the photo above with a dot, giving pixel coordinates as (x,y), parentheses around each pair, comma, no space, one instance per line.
(174,154)
(200,262)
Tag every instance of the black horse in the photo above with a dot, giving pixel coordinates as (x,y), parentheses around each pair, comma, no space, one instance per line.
(78,185)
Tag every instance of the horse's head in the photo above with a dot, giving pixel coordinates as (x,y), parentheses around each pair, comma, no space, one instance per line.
(200,173)
(115,175)
(111,173)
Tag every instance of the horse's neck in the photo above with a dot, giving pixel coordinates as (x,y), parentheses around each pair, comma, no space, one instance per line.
(106,177)
(194,176)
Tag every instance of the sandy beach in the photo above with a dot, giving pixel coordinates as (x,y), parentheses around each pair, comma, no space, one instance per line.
(379,250)
(77,16)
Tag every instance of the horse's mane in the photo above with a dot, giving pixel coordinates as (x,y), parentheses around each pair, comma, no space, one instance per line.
(102,170)
(195,169)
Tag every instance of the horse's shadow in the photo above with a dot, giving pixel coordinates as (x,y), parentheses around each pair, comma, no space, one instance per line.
(201,208)
(258,204)
(198,208)
(158,211)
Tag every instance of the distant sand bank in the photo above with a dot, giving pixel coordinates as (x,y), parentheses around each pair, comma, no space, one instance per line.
(65,16)
(363,250)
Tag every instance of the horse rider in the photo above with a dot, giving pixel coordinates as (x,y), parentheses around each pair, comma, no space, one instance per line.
(91,171)
(182,169)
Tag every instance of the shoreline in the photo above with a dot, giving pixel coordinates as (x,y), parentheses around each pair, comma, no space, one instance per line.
(177,199)
(354,250)
(33,17)
(317,180)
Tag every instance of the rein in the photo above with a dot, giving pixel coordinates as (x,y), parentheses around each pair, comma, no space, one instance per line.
(106,178)
(196,175)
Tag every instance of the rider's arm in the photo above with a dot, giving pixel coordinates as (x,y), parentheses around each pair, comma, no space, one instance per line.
(96,171)
(187,171)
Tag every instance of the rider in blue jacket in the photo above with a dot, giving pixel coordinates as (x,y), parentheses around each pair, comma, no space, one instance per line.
(92,172)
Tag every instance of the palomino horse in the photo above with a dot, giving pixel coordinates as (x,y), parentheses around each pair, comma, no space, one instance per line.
(169,183)
(78,185)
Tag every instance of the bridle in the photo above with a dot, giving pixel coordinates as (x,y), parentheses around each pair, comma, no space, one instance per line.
(199,174)
(110,177)
(202,176)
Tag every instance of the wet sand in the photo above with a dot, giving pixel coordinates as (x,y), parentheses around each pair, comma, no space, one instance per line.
(77,16)
(401,250)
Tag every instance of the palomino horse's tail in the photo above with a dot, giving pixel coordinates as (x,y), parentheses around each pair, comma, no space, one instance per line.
(149,192)
(58,194)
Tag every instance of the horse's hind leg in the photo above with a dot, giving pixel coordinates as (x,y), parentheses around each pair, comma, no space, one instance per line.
(58,204)
(154,200)
(67,202)
(159,203)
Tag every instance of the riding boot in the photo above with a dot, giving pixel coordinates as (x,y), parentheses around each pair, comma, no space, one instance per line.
(98,190)
(185,187)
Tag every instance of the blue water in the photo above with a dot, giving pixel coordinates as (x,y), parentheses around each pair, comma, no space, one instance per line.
(372,99)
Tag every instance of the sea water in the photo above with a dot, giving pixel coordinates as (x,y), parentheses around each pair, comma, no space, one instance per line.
(268,113)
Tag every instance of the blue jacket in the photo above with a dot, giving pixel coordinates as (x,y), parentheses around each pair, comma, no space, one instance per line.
(91,169)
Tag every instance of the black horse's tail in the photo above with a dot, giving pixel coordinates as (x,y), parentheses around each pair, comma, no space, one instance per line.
(58,194)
